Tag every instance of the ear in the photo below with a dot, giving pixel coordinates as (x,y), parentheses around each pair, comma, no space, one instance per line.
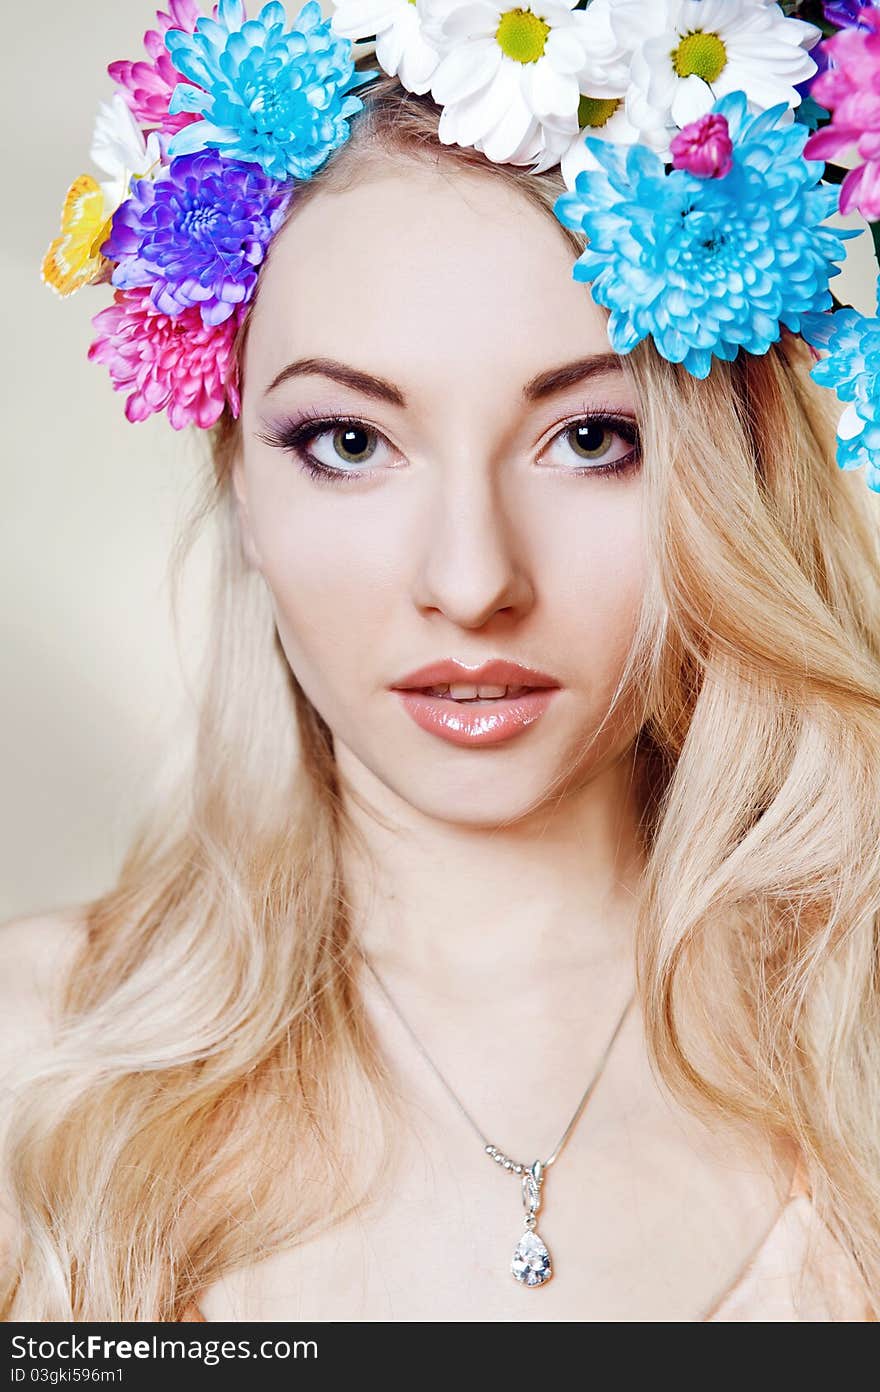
(239,484)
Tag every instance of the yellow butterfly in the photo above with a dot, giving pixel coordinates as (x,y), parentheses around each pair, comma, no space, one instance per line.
(74,258)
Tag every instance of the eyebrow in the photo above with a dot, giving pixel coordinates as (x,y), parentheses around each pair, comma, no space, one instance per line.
(544,385)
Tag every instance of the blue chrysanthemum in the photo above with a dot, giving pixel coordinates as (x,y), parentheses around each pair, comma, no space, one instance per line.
(273,96)
(197,236)
(707,265)
(852,368)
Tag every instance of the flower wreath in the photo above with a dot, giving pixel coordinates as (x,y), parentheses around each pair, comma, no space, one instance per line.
(694,138)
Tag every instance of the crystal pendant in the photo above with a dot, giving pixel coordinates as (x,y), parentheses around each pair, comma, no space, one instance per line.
(531,1260)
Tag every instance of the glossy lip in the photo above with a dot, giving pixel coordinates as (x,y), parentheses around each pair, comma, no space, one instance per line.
(497,672)
(478,722)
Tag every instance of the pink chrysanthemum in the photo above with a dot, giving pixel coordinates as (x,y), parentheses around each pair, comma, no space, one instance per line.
(704,147)
(147,87)
(850,90)
(180,364)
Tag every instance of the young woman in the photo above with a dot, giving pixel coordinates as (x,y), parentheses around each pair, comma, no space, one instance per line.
(377,931)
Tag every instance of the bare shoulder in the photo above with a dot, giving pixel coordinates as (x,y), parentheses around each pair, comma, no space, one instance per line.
(35,954)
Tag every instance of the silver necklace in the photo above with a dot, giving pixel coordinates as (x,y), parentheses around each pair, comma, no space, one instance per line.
(531,1264)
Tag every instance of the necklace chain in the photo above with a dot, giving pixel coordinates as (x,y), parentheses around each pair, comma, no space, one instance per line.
(492,1150)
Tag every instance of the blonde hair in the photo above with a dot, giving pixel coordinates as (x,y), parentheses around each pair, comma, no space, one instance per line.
(190,1116)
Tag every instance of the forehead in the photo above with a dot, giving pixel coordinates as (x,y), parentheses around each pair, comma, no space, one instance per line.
(422,273)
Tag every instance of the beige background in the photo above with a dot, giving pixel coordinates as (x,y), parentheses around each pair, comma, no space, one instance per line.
(90,678)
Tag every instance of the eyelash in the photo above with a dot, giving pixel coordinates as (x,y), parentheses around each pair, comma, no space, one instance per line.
(292,435)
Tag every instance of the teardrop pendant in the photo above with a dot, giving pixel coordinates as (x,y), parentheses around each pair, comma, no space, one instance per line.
(531,1260)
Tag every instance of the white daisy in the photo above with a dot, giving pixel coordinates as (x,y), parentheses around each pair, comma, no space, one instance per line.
(543,147)
(687,53)
(510,79)
(402,50)
(623,121)
(608,55)
(119,148)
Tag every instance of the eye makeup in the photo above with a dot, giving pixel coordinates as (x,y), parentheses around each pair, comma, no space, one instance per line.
(294,434)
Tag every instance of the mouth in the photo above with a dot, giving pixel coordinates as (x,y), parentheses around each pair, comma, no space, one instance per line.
(473,716)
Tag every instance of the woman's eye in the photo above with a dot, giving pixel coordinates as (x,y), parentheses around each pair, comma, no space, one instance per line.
(596,445)
(330,449)
(349,446)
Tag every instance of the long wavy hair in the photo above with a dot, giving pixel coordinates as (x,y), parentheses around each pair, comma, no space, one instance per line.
(190,1114)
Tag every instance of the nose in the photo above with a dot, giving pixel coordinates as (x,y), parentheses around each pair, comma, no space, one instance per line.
(474,560)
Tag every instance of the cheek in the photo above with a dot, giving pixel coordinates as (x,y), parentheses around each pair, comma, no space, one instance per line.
(331,574)
(595,574)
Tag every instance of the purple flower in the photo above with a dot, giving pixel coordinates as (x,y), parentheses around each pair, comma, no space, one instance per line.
(847,14)
(198,235)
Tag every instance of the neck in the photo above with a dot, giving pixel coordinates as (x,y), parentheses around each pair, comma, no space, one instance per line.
(448,904)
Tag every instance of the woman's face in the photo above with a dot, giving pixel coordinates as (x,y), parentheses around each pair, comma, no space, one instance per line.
(481,498)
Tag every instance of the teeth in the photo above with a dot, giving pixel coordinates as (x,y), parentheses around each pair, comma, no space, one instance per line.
(461,691)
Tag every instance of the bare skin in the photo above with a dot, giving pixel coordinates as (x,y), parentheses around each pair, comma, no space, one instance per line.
(648,1217)
(502,908)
